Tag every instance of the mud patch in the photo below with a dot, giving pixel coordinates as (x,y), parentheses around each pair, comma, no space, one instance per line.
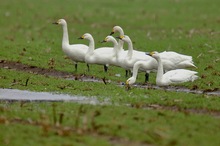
(46,72)
(214,92)
(214,113)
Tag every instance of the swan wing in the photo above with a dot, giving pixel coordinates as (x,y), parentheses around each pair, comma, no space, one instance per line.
(173,60)
(181,75)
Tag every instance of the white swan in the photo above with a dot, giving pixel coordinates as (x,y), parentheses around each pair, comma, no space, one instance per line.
(100,56)
(75,52)
(173,76)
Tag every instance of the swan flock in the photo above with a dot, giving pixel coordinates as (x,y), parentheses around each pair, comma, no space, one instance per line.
(169,66)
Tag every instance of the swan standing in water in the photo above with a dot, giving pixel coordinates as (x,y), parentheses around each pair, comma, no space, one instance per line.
(76,52)
(101,56)
(173,76)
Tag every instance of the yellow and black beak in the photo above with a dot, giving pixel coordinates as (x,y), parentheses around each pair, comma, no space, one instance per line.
(104,41)
(55,23)
(149,53)
(112,33)
(120,37)
(127,85)
(82,37)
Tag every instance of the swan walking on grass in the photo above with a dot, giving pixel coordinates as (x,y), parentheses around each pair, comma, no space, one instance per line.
(76,52)
(173,76)
(100,56)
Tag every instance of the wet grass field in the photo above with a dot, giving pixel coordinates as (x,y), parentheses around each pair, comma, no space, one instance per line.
(140,116)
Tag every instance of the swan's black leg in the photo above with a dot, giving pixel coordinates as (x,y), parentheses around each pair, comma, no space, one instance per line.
(127,73)
(88,67)
(76,67)
(146,77)
(105,68)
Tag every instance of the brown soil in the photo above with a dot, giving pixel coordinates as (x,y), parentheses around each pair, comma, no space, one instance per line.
(43,71)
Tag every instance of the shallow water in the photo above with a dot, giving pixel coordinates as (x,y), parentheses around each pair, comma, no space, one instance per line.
(24,95)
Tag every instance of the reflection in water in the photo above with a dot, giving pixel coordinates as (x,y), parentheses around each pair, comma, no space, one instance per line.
(17,95)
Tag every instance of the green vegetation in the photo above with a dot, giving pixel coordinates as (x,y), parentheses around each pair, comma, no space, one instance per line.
(74,124)
(153,117)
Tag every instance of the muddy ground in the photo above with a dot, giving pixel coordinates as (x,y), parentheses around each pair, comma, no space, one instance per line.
(60,74)
(82,77)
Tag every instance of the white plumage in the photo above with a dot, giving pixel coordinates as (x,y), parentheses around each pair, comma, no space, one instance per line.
(100,56)
(117,51)
(173,76)
(133,56)
(121,33)
(76,52)
(170,60)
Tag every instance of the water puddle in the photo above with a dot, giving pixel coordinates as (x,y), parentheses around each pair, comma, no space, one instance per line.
(24,95)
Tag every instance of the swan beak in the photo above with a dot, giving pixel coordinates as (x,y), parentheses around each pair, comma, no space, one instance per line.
(112,33)
(82,37)
(104,41)
(127,86)
(147,53)
(55,23)
(120,37)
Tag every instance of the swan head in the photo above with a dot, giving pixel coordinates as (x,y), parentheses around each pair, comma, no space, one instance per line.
(117,29)
(86,36)
(60,22)
(129,82)
(154,54)
(125,38)
(109,39)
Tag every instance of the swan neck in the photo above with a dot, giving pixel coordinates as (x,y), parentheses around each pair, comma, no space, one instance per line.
(120,44)
(135,70)
(91,45)
(130,50)
(160,69)
(65,35)
(115,47)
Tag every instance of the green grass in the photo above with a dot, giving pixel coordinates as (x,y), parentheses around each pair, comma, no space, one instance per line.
(82,123)
(28,36)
